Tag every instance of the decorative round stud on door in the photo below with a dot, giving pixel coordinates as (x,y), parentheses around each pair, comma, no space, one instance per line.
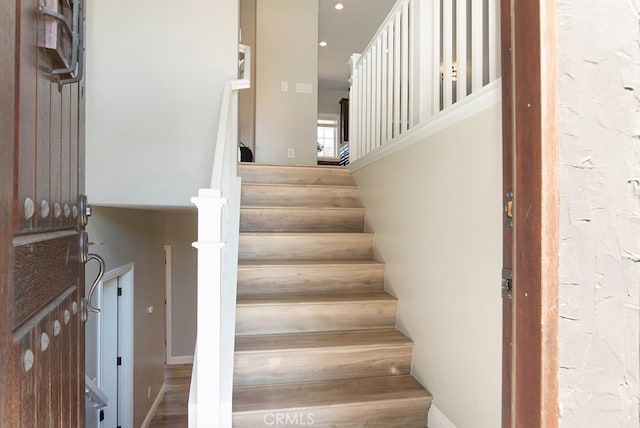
(28,360)
(44,342)
(29,208)
(44,209)
(67,211)
(57,210)
(67,316)
(57,328)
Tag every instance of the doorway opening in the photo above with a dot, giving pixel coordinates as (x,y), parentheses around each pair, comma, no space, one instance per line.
(113,348)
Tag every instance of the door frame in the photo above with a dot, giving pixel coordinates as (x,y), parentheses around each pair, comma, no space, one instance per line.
(530,152)
(125,338)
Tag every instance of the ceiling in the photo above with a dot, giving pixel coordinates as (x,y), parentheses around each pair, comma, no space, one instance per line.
(346,31)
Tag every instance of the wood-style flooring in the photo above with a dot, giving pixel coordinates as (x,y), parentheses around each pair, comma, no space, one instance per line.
(173,410)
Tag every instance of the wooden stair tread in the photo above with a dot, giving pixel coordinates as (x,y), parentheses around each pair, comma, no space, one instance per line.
(294,262)
(294,185)
(294,165)
(310,234)
(332,393)
(262,299)
(300,208)
(332,339)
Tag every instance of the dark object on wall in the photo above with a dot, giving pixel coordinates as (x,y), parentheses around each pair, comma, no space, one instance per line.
(246,155)
(344,120)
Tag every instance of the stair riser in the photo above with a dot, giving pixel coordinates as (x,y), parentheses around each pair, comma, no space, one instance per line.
(296,318)
(298,196)
(311,220)
(310,278)
(306,247)
(253,368)
(294,175)
(387,414)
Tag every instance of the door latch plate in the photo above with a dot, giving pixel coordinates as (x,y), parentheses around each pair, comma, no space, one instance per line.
(507,284)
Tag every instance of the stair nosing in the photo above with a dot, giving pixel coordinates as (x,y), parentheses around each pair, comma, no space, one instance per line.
(271,299)
(378,346)
(277,263)
(300,207)
(332,186)
(402,341)
(424,394)
(312,233)
(294,165)
(332,405)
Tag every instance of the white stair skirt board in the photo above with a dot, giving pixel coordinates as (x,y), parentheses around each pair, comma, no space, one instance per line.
(154,407)
(437,419)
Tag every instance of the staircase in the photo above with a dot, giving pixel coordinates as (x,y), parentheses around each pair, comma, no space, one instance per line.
(316,343)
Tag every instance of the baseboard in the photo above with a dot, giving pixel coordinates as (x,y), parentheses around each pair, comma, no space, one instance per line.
(154,406)
(437,419)
(181,359)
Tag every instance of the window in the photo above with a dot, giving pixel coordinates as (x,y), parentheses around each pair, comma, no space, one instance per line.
(327,137)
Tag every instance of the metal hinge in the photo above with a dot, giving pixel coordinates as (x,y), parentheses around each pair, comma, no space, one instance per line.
(119,361)
(507,284)
(508,210)
(119,291)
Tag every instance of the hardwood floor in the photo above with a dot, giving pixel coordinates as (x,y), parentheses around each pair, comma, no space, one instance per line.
(173,410)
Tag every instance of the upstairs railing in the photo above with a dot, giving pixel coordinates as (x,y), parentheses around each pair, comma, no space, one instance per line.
(427,56)
(218,226)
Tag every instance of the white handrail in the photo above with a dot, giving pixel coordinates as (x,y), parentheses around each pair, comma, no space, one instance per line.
(218,235)
(418,64)
(94,393)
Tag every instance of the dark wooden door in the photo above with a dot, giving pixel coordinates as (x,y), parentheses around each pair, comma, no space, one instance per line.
(507,216)
(530,231)
(41,220)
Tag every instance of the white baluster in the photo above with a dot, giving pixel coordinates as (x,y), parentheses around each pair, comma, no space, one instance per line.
(461,50)
(477,38)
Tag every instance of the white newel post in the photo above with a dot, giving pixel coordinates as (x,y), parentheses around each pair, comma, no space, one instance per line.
(210,254)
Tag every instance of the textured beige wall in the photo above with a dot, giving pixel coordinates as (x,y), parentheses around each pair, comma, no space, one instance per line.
(436,210)
(287,46)
(136,236)
(155,74)
(599,64)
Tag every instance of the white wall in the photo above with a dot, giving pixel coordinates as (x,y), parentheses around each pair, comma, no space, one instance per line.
(247,97)
(599,61)
(287,51)
(180,231)
(135,236)
(436,210)
(329,100)
(155,71)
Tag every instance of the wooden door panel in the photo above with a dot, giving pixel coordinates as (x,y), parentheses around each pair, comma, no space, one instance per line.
(65,156)
(26,57)
(48,140)
(42,164)
(45,265)
(44,399)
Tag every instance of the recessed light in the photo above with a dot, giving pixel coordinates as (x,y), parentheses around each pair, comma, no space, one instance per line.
(323,43)
(339,6)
